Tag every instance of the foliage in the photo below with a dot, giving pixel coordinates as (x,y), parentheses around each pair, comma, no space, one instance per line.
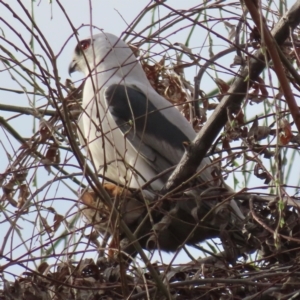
(237,84)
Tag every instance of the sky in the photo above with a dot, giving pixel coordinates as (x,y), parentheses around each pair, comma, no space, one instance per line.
(111,16)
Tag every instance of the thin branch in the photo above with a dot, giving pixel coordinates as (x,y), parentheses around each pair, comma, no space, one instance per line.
(28,111)
(278,67)
(200,146)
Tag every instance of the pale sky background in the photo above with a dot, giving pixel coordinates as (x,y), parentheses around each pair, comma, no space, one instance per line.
(112,16)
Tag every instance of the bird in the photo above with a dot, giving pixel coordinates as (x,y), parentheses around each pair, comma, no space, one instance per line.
(133,135)
(130,132)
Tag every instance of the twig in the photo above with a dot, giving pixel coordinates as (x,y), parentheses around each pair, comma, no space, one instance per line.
(200,146)
(271,45)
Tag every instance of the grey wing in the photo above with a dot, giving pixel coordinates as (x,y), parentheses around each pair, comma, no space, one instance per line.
(153,136)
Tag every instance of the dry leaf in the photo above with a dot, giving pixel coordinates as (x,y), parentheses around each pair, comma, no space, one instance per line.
(44,131)
(212,106)
(23,195)
(262,87)
(46,226)
(57,221)
(237,61)
(232,32)
(258,91)
(53,154)
(184,48)
(135,50)
(285,134)
(223,86)
(8,188)
(295,139)
(258,132)
(19,177)
(42,267)
(226,146)
(47,164)
(260,173)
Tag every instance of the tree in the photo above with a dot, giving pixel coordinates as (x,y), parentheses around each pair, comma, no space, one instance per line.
(245,112)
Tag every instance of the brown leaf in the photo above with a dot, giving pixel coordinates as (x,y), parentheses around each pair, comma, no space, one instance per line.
(130,208)
(258,132)
(262,87)
(285,135)
(262,150)
(47,164)
(226,146)
(42,267)
(260,173)
(51,209)
(93,238)
(250,158)
(26,145)
(19,177)
(74,93)
(212,106)
(23,195)
(47,227)
(58,219)
(95,212)
(184,48)
(74,110)
(279,95)
(223,86)
(257,99)
(99,215)
(179,66)
(253,95)
(261,132)
(114,190)
(44,131)
(135,50)
(255,35)
(258,92)
(8,188)
(53,154)
(88,268)
(240,117)
(88,198)
(237,61)
(295,139)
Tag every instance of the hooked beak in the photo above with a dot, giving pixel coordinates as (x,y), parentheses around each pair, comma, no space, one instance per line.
(72,67)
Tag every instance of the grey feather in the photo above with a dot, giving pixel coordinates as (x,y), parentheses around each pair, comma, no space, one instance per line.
(132,132)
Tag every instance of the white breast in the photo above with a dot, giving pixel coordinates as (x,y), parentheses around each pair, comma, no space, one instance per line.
(107,148)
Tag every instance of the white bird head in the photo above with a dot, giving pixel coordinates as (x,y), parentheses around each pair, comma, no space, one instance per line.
(107,54)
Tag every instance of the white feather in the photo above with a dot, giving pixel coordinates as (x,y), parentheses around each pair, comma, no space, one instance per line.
(111,61)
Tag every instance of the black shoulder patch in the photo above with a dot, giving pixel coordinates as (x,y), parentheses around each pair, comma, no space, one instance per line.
(130,105)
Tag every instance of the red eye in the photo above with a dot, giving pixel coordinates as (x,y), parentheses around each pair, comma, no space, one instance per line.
(85,44)
(82,46)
